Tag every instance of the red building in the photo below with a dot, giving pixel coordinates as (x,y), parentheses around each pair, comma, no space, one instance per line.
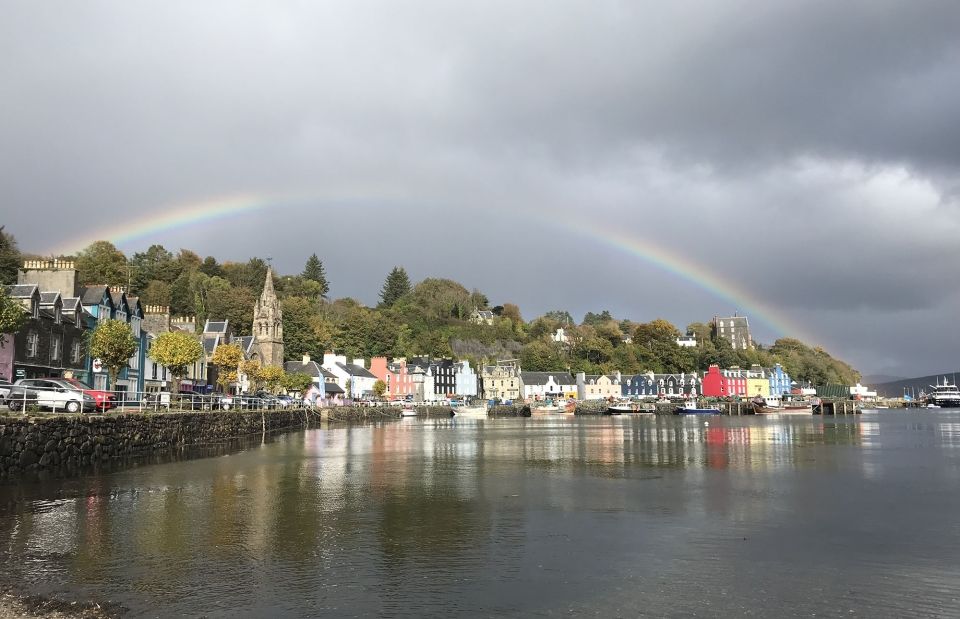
(719,383)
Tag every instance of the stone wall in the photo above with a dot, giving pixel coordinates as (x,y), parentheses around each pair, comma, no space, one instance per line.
(40,443)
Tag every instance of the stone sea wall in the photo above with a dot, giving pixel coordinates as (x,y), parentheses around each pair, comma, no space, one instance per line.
(51,442)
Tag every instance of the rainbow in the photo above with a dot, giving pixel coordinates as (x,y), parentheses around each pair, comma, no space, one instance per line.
(184,214)
(688,270)
(168,218)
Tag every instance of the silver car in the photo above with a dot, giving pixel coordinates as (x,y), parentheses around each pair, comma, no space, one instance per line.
(52,394)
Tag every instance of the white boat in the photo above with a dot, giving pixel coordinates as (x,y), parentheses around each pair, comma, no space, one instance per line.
(408,411)
(621,407)
(471,412)
(944,395)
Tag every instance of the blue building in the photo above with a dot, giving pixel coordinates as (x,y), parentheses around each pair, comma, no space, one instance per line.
(779,381)
(652,385)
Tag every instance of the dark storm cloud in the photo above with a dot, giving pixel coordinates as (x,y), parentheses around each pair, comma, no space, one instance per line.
(807,151)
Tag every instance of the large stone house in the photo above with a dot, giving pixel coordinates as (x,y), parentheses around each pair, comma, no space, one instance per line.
(51,342)
(502,381)
(735,329)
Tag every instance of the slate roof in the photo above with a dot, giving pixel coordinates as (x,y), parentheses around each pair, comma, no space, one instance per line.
(48,298)
(210,344)
(355,370)
(332,388)
(245,342)
(70,304)
(216,326)
(21,291)
(116,297)
(310,368)
(541,378)
(91,295)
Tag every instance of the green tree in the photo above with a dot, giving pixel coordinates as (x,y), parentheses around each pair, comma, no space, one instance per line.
(102,263)
(154,264)
(178,351)
(10,258)
(379,388)
(156,293)
(211,267)
(12,315)
(396,285)
(113,343)
(296,382)
(314,271)
(227,359)
(542,356)
(300,335)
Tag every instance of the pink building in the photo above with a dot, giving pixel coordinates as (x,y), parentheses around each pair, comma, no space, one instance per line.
(399,382)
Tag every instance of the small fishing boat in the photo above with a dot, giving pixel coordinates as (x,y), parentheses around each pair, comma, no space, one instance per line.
(690,407)
(552,407)
(408,411)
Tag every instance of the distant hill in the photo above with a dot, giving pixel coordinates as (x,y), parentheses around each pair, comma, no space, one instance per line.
(913,386)
(879,379)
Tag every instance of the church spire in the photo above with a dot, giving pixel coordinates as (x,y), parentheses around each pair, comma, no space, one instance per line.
(268,292)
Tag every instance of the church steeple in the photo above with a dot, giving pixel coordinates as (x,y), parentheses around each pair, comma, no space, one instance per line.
(268,325)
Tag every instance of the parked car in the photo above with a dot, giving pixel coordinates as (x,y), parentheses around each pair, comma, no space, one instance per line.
(105,400)
(54,394)
(188,400)
(4,389)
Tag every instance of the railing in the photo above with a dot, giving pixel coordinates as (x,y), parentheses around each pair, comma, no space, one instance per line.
(68,401)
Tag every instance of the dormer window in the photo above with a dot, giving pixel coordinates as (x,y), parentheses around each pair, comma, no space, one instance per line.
(57,315)
(35,308)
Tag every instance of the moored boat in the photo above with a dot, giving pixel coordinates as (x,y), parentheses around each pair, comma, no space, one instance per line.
(621,407)
(408,411)
(690,407)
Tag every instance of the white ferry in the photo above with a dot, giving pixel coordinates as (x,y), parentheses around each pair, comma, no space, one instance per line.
(944,395)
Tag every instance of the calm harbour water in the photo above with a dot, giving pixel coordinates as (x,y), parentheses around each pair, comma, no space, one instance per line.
(610,516)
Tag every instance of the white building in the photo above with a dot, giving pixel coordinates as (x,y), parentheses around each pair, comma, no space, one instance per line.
(687,341)
(353,378)
(543,385)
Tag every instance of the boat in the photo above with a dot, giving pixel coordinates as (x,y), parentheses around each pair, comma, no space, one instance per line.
(552,407)
(408,411)
(471,412)
(944,395)
(621,407)
(789,406)
(690,407)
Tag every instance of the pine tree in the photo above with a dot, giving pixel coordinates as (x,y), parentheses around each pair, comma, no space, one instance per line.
(313,270)
(397,285)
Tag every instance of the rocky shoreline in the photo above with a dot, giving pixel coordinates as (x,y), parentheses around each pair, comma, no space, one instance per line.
(14,605)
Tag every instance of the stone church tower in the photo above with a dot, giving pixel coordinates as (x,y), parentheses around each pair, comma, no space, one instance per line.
(268,326)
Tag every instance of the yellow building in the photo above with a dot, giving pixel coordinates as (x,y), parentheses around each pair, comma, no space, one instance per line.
(758,383)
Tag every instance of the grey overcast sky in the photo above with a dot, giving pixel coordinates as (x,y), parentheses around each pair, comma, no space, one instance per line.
(794,161)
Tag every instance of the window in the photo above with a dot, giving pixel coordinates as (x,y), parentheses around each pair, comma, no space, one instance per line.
(75,352)
(33,341)
(35,308)
(55,346)
(57,314)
